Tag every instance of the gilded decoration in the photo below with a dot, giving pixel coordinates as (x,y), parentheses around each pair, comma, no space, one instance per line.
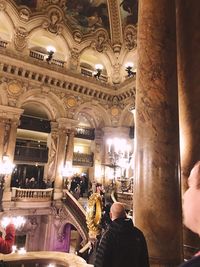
(14,88)
(71,102)
(114,111)
(94,214)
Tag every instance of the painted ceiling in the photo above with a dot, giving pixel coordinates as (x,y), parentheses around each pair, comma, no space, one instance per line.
(85,15)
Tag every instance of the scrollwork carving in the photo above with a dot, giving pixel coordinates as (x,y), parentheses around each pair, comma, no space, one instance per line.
(20,40)
(130,36)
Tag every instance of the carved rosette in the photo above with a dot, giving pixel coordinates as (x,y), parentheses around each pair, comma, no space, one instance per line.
(20,39)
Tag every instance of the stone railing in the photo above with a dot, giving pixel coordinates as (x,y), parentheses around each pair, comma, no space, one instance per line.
(44,258)
(22,194)
(31,198)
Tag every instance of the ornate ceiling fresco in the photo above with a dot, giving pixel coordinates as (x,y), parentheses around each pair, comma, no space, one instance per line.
(85,16)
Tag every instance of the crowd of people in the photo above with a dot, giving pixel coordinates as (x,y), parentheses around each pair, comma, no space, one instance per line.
(31,183)
(121,243)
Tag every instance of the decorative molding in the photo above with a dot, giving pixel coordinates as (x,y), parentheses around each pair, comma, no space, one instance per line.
(130,37)
(20,39)
(116,29)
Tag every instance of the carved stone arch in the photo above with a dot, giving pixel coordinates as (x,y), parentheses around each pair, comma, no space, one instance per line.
(127,117)
(3,94)
(72,221)
(95,58)
(100,115)
(58,41)
(9,20)
(50,102)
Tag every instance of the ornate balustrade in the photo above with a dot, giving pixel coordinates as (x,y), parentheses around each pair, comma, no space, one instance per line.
(3,43)
(82,159)
(32,198)
(43,258)
(42,57)
(85,133)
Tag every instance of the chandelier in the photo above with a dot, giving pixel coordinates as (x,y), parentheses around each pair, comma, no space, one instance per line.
(119,155)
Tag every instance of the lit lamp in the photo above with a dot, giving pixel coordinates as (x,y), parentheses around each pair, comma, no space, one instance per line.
(6,168)
(129,69)
(98,68)
(67,172)
(50,50)
(118,153)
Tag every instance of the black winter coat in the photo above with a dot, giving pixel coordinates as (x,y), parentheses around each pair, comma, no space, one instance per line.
(194,262)
(122,245)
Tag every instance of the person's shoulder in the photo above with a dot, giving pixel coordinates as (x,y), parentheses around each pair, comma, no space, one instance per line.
(138,232)
(194,262)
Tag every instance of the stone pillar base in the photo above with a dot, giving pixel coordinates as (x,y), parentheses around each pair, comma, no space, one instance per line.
(6,201)
(57,195)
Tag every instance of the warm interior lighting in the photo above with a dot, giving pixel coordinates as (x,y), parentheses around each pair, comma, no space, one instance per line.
(129,68)
(22,251)
(98,68)
(119,153)
(51,50)
(67,170)
(18,221)
(6,166)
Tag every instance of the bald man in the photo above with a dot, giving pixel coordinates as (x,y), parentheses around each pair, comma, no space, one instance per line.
(122,244)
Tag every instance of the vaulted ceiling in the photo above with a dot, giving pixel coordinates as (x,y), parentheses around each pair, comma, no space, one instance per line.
(87,31)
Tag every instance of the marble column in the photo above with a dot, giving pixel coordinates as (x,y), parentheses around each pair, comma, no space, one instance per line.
(61,149)
(188,32)
(98,157)
(2,132)
(70,146)
(156,198)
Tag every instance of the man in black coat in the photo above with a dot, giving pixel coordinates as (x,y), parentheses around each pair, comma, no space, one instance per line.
(122,244)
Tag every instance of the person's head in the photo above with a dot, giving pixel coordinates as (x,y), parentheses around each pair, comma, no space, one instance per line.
(191,200)
(117,210)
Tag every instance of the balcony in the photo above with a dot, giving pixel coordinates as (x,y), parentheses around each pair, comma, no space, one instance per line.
(42,57)
(81,159)
(31,154)
(31,198)
(85,133)
(35,124)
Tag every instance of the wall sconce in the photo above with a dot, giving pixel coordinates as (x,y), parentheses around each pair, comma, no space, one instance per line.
(129,69)
(50,50)
(98,71)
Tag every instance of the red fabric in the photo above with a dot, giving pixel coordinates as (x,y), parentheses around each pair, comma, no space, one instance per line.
(7,243)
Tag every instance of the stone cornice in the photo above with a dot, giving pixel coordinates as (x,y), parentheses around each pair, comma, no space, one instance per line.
(40,74)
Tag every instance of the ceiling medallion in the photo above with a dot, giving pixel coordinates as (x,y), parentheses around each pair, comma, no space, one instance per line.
(71,102)
(14,88)
(114,111)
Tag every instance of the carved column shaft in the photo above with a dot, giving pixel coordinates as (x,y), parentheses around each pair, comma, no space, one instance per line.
(62,137)
(189,98)
(157,202)
(2,133)
(70,147)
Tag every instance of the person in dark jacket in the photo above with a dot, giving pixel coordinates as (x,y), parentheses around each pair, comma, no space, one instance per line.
(7,243)
(122,244)
(191,209)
